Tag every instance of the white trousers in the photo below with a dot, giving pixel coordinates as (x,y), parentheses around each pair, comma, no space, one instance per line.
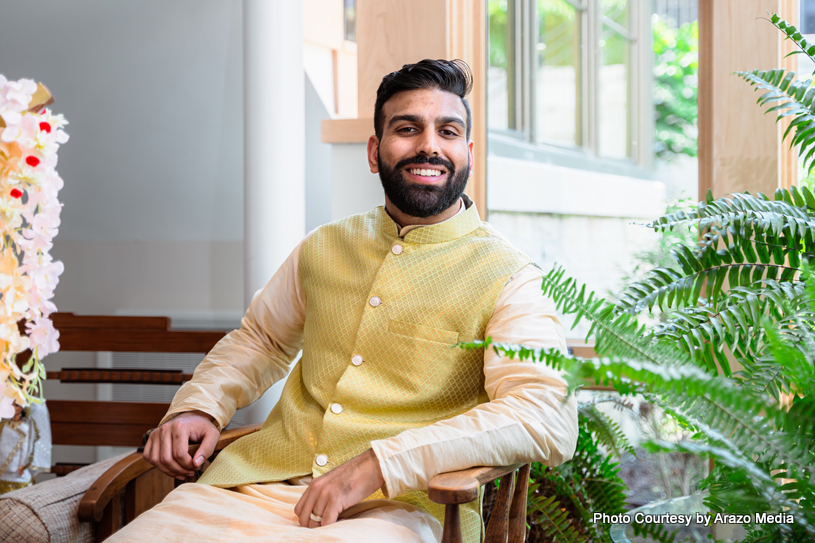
(199,513)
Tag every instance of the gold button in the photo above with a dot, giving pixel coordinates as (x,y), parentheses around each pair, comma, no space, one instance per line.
(375,301)
(336,409)
(356,360)
(397,249)
(321,460)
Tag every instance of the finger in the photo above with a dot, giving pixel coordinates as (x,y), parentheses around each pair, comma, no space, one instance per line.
(207,447)
(299,507)
(167,461)
(321,504)
(148,449)
(331,511)
(312,524)
(154,447)
(181,449)
(308,500)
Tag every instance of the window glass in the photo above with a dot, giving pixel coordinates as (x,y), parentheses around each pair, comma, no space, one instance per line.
(613,95)
(501,71)
(557,84)
(351,20)
(807,24)
(615,10)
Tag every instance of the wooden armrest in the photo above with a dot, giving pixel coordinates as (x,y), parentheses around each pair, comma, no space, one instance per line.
(508,520)
(116,478)
(462,486)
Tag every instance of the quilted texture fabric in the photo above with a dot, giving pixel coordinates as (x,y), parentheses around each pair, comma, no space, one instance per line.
(47,511)
(401,305)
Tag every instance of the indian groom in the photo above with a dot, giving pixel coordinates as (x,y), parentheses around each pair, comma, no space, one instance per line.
(381,400)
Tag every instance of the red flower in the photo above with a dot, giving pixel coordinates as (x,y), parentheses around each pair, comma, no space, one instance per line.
(32,161)
(16,193)
(45,127)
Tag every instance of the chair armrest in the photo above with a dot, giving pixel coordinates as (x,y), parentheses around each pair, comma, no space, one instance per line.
(116,478)
(462,486)
(508,520)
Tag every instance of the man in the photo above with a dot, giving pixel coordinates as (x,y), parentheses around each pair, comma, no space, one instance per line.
(381,400)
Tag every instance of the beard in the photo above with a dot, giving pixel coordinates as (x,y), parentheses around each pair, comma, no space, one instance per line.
(419,200)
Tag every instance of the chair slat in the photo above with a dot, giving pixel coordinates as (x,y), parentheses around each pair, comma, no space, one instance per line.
(64,320)
(120,375)
(497,529)
(517,511)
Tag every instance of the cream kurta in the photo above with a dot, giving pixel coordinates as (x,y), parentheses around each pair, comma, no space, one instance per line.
(525,419)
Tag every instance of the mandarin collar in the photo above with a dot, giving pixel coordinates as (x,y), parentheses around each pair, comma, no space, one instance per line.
(455,227)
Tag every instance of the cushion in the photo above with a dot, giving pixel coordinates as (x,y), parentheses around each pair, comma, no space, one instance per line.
(47,511)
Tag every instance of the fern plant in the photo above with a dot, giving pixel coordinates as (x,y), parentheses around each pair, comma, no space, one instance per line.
(763,449)
(733,357)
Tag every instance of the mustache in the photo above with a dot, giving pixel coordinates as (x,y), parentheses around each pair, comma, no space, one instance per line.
(419,159)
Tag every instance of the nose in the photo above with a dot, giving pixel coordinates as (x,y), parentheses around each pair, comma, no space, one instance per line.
(428,144)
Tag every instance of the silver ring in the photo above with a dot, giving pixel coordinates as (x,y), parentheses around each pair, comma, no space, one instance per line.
(315,518)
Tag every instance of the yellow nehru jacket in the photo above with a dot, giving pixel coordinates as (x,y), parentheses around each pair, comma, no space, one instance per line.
(382,317)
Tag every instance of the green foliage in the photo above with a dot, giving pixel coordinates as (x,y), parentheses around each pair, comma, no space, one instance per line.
(736,416)
(788,96)
(732,361)
(562,499)
(497,10)
(676,68)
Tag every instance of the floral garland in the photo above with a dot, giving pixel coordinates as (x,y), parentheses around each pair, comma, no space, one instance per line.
(29,219)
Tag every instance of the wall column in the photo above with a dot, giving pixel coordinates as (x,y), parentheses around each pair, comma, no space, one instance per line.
(274,147)
(739,146)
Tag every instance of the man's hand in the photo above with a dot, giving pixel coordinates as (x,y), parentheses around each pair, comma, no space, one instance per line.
(168,445)
(332,493)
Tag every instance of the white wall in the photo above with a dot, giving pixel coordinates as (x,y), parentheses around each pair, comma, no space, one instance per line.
(588,222)
(153,196)
(354,189)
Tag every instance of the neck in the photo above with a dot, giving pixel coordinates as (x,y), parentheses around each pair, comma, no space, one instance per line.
(403,219)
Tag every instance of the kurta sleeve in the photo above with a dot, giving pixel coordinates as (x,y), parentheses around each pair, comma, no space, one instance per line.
(247,361)
(528,418)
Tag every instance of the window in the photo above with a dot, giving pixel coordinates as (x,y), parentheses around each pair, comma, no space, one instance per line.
(568,76)
(350,16)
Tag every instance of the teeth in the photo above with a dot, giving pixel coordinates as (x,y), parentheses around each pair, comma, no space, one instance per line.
(425,173)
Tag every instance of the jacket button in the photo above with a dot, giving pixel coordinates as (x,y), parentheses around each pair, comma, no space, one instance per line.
(321,460)
(396,249)
(336,408)
(375,301)
(356,360)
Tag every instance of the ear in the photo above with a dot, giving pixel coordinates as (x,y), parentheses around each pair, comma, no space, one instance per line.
(472,156)
(373,149)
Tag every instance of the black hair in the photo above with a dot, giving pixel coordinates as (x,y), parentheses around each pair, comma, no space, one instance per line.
(452,76)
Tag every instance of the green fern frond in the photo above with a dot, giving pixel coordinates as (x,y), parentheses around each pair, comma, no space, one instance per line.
(705,331)
(795,35)
(789,98)
(764,483)
(606,431)
(709,398)
(617,333)
(557,525)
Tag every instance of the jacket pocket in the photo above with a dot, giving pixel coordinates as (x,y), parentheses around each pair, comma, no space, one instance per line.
(426,333)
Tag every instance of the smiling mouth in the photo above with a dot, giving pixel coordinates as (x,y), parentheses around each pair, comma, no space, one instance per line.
(425,174)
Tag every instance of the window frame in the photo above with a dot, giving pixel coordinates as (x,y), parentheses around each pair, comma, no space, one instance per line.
(520,142)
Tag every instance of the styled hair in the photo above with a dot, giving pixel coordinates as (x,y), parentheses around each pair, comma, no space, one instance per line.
(452,76)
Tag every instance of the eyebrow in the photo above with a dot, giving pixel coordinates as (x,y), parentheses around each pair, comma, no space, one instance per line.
(418,120)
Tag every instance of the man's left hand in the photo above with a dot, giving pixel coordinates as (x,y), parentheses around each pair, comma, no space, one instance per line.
(332,493)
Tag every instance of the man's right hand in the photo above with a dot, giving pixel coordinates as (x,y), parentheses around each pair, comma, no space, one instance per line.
(168,446)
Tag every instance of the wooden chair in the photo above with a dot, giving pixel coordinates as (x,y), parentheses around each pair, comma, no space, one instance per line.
(111,423)
(133,486)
